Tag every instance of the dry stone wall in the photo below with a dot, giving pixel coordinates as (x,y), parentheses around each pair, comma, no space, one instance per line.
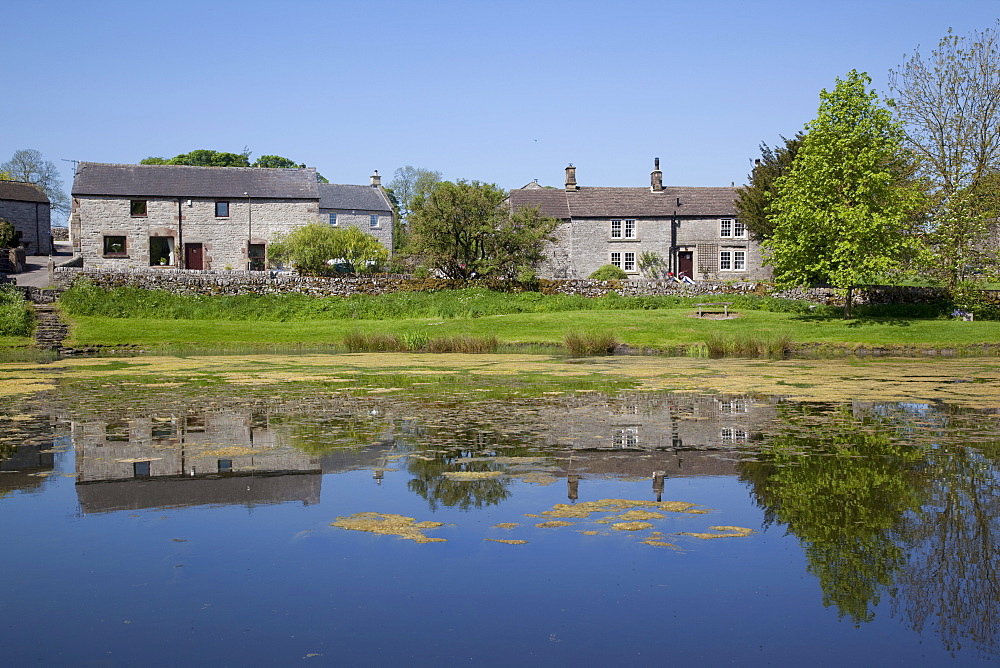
(211,282)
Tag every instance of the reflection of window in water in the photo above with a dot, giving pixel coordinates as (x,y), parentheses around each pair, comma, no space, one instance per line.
(195,424)
(730,435)
(116,431)
(627,409)
(140,469)
(734,405)
(165,429)
(626,438)
(225,466)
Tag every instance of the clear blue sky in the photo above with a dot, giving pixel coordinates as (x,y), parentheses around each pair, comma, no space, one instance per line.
(503,92)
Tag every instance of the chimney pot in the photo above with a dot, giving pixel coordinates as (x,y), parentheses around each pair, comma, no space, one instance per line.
(376,180)
(571,178)
(656,177)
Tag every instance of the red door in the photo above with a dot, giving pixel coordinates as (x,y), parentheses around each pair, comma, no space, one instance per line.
(685,263)
(193,256)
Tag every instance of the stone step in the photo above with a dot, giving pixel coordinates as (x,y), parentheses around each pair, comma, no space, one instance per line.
(50,329)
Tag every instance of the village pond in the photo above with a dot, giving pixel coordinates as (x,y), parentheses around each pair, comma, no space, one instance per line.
(424,510)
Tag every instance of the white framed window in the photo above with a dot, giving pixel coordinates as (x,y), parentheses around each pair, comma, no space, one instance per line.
(732,228)
(333,219)
(630,228)
(625,438)
(732,260)
(616,229)
(732,435)
(373,220)
(616,259)
(629,263)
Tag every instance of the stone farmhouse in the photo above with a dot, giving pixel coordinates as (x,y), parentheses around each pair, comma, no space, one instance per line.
(222,218)
(28,210)
(688,229)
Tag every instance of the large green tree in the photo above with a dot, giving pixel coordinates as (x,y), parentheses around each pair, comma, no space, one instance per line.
(949,104)
(845,212)
(466,230)
(208,158)
(317,250)
(27,165)
(203,158)
(753,199)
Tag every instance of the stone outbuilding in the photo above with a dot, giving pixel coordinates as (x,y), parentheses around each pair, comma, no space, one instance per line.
(694,230)
(365,207)
(26,207)
(222,218)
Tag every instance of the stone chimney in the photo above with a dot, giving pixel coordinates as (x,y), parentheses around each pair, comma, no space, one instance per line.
(376,180)
(656,177)
(571,178)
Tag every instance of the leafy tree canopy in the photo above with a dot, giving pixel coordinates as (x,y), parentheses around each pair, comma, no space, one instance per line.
(204,158)
(318,250)
(753,200)
(209,158)
(465,230)
(844,214)
(408,183)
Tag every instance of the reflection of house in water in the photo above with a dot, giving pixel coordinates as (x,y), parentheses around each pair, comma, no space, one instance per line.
(212,458)
(26,468)
(673,422)
(653,436)
(28,441)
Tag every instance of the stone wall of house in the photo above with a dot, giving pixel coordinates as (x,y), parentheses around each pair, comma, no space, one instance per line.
(362,220)
(33,221)
(585,244)
(185,221)
(211,282)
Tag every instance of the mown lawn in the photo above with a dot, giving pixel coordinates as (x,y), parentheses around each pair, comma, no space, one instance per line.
(662,328)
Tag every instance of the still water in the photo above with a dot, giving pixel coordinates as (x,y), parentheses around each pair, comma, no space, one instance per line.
(196,525)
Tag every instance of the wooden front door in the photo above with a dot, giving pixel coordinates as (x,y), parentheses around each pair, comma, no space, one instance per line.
(685,262)
(194,256)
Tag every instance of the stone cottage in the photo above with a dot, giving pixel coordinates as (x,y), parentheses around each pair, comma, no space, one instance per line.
(27,208)
(130,216)
(678,228)
(364,207)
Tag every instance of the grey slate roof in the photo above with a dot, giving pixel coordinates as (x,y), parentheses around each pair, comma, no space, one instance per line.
(356,198)
(18,191)
(95,178)
(631,202)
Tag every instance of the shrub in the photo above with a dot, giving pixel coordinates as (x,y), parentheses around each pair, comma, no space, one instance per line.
(609,272)
(17,318)
(8,235)
(587,344)
(319,250)
(719,346)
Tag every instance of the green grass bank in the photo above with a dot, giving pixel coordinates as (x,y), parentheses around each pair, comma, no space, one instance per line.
(763,326)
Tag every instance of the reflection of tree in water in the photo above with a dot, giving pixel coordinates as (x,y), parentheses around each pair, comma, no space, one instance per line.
(469,448)
(840,489)
(952,582)
(430,483)
(891,502)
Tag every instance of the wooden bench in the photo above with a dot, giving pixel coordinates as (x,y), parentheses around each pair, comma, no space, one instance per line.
(725,307)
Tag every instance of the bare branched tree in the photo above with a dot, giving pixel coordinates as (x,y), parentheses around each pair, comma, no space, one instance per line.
(949,104)
(27,165)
